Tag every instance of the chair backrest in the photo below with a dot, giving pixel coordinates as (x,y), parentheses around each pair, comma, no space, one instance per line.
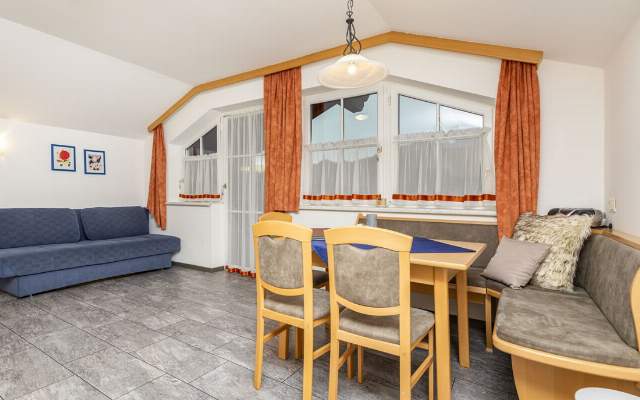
(283,255)
(609,270)
(276,216)
(369,277)
(464,231)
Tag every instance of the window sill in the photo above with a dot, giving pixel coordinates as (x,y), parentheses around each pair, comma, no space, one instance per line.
(471,212)
(193,203)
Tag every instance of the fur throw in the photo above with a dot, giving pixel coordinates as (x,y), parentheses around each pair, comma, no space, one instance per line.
(565,235)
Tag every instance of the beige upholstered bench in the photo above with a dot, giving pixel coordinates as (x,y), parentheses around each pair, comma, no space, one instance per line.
(480,290)
(561,342)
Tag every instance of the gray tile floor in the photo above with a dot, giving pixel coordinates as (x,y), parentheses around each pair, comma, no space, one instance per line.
(186,335)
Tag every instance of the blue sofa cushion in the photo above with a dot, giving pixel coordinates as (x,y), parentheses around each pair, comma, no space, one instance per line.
(114,222)
(21,227)
(37,259)
(83,236)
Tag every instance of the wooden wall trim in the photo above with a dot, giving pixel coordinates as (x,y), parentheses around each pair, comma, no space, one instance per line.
(431,42)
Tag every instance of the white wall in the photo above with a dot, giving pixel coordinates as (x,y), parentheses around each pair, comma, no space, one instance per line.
(622,133)
(26,179)
(572,121)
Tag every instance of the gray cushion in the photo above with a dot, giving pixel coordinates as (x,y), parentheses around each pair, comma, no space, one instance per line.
(114,222)
(515,262)
(281,262)
(293,306)
(466,232)
(52,257)
(385,328)
(606,270)
(320,277)
(475,278)
(369,277)
(561,323)
(495,285)
(21,227)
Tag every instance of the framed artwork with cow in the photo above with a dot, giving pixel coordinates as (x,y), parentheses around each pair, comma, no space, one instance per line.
(94,162)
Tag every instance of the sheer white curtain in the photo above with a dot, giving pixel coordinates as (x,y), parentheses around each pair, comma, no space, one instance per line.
(200,178)
(343,171)
(447,167)
(246,184)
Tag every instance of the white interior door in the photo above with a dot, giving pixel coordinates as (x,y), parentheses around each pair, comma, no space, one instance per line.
(245,191)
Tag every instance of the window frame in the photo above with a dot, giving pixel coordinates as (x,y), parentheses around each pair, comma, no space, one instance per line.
(219,155)
(388,128)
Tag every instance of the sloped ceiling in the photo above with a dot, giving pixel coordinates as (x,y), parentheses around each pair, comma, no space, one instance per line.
(113,66)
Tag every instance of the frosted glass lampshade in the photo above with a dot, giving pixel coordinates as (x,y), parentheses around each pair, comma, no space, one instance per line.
(352,71)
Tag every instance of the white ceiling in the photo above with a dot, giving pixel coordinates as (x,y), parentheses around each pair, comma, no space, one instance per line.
(176,44)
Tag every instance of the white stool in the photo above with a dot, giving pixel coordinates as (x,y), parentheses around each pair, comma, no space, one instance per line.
(603,394)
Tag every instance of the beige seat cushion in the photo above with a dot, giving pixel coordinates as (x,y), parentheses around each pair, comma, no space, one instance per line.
(320,277)
(293,306)
(385,328)
(561,323)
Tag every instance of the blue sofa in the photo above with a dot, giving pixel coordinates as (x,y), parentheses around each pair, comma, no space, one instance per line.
(50,248)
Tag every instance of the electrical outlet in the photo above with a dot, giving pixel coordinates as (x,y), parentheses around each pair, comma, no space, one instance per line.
(611,204)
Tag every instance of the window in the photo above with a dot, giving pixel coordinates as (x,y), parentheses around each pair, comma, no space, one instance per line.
(416,145)
(200,180)
(343,150)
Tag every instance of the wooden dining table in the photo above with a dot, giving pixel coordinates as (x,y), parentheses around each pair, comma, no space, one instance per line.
(437,270)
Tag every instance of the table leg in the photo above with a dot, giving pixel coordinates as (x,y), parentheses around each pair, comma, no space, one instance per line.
(443,344)
(463,319)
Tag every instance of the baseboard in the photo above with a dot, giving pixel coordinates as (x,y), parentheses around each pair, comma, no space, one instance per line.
(197,267)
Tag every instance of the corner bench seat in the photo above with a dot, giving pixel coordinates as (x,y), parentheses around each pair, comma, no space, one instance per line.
(561,323)
(21,261)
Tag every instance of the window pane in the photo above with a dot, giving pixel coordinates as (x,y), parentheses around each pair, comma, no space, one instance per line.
(210,141)
(324,173)
(361,117)
(360,171)
(451,118)
(417,116)
(194,149)
(325,122)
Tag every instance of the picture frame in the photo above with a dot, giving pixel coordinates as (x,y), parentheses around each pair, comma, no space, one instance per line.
(63,158)
(95,162)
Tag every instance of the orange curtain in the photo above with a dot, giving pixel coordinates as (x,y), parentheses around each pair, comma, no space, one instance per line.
(282,140)
(157,200)
(517,143)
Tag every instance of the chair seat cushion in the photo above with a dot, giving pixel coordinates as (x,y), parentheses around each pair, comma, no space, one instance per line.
(385,328)
(495,285)
(293,306)
(561,323)
(53,257)
(320,277)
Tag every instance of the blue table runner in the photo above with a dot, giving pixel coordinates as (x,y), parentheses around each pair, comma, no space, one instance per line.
(419,245)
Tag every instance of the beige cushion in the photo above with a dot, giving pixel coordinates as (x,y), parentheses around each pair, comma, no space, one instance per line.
(565,235)
(515,262)
(385,328)
(293,306)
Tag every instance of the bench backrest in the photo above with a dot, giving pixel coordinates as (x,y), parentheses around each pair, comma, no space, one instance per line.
(479,232)
(606,269)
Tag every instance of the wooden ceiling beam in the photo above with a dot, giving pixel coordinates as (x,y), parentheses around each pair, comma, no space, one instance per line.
(431,42)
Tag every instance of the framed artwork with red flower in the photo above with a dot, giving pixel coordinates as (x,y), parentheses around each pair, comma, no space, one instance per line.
(63,158)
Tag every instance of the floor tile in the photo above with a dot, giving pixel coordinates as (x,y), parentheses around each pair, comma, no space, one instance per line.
(11,343)
(156,321)
(465,390)
(178,359)
(199,335)
(196,311)
(85,316)
(233,382)
(166,388)
(242,352)
(69,344)
(36,324)
(27,371)
(124,308)
(5,297)
(127,335)
(55,301)
(236,324)
(89,292)
(72,388)
(113,372)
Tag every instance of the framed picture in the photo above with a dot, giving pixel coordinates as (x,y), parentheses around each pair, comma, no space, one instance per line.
(94,162)
(63,158)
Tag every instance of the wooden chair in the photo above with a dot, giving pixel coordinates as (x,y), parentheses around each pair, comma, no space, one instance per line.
(374,287)
(285,293)
(320,279)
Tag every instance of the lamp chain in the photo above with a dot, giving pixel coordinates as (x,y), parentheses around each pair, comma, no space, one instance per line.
(353,43)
